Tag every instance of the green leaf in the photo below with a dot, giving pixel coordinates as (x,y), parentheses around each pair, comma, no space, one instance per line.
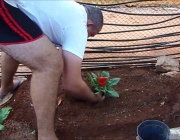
(98,88)
(94,75)
(92,80)
(90,77)
(113,81)
(113,93)
(4,112)
(2,127)
(105,74)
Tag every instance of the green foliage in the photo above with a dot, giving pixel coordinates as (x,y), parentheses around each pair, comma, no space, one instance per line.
(4,112)
(102,83)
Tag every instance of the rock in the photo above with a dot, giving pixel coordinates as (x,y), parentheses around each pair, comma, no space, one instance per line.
(167,64)
(172,74)
(174,133)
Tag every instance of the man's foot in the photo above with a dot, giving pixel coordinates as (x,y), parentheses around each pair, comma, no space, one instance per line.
(6,97)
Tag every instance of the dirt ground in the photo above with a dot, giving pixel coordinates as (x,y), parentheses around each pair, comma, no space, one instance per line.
(144,94)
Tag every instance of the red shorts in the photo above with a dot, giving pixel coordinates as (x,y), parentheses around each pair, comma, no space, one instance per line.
(15,26)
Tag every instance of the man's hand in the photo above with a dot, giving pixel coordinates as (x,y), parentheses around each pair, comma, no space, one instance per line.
(99,97)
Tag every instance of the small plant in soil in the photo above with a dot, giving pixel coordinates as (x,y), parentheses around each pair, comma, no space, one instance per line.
(102,83)
(4,112)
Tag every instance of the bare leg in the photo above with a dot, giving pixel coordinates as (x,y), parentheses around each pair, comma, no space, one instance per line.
(8,68)
(46,63)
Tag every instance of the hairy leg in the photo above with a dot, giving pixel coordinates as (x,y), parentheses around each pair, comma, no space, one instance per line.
(8,69)
(46,63)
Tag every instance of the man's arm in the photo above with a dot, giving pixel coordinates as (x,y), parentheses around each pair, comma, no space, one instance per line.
(73,82)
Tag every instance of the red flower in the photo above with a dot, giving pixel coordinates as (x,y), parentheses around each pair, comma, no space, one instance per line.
(102,81)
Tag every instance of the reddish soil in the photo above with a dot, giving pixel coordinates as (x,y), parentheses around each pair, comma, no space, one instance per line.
(144,94)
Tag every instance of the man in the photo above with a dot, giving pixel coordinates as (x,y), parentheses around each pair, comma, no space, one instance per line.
(63,22)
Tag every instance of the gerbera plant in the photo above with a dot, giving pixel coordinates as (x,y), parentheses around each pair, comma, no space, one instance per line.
(102,83)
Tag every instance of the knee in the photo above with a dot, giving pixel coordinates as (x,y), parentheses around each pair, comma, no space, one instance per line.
(54,65)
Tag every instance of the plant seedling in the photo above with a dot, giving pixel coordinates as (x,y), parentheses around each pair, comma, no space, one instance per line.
(102,83)
(4,112)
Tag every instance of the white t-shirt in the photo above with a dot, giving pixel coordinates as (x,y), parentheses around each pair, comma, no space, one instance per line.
(64,22)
